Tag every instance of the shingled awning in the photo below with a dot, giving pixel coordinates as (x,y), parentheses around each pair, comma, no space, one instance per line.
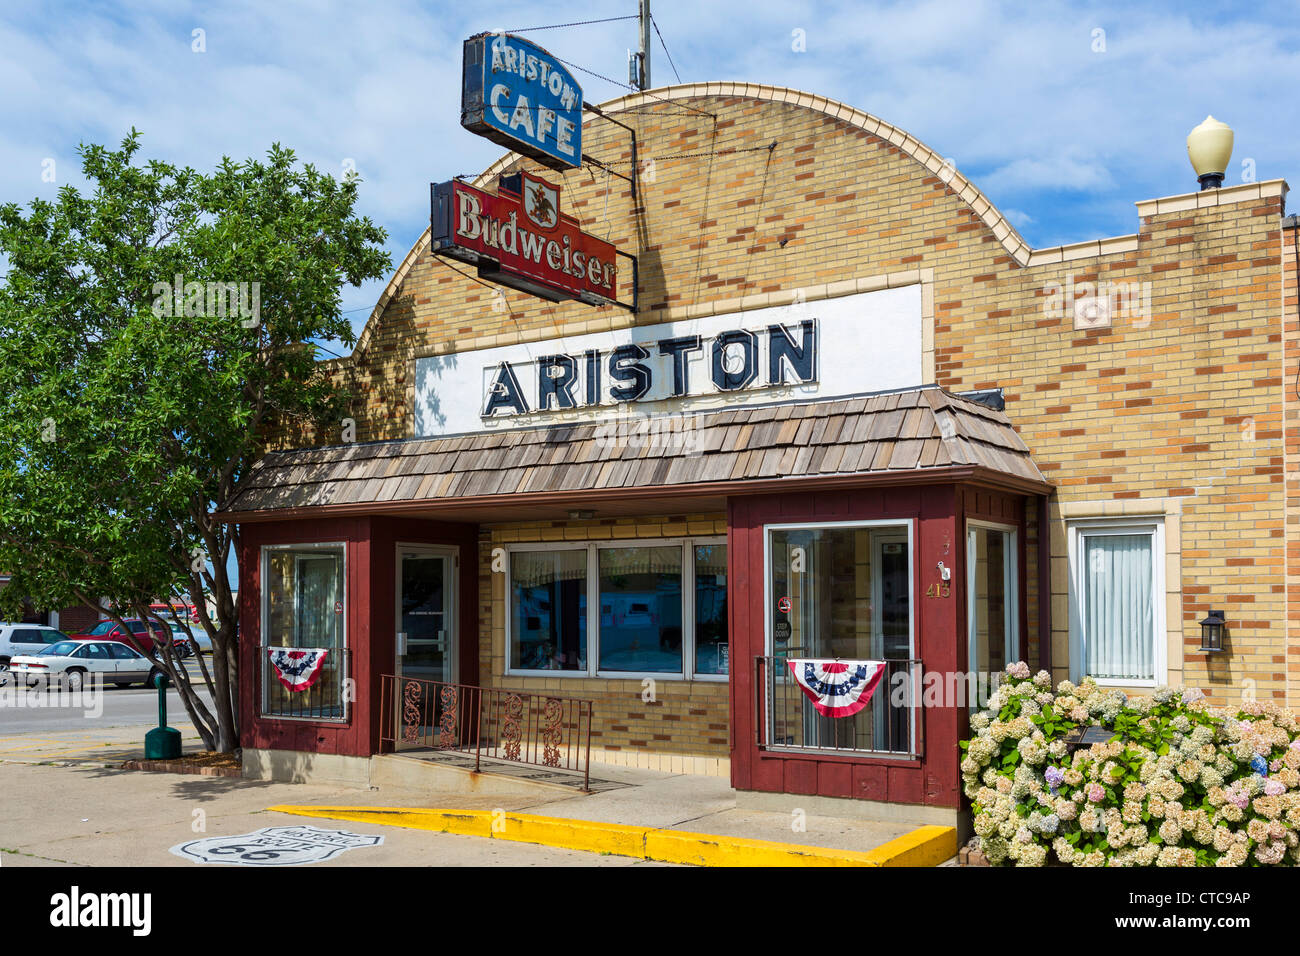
(920,435)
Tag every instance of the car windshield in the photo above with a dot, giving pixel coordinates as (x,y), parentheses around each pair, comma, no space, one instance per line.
(61,649)
(103,627)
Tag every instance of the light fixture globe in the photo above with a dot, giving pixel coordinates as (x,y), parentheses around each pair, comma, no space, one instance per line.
(1209,147)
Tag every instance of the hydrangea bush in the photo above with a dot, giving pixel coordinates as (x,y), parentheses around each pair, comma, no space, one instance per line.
(1179,783)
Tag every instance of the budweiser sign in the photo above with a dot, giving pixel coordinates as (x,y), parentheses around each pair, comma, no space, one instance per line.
(519,238)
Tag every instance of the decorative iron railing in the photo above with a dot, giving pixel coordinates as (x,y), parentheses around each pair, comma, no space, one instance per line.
(325,699)
(495,723)
(891,724)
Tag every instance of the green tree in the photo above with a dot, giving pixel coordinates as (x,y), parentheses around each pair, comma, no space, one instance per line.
(131,410)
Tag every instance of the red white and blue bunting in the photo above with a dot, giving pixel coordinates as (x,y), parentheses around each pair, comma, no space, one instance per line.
(297,667)
(837,688)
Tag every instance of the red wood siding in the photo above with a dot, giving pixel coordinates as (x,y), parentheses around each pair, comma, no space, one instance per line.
(932,780)
(369,603)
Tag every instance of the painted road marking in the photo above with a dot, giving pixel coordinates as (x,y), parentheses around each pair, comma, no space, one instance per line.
(275,846)
(924,846)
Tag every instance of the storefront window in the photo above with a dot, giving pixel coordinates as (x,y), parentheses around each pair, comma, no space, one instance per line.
(658,607)
(548,610)
(303,605)
(641,610)
(841,592)
(711,648)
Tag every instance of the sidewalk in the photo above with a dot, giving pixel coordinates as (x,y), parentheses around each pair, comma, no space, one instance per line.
(94,746)
(68,774)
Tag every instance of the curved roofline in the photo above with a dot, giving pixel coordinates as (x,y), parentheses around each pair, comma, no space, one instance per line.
(963,188)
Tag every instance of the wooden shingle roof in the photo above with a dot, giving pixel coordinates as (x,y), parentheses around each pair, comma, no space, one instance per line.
(923,431)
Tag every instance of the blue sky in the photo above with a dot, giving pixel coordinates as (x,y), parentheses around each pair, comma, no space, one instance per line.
(1064,127)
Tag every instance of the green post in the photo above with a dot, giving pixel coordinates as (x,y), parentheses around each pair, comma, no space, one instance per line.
(163,742)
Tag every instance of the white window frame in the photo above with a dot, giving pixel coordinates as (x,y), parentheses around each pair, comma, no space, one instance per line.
(1011,575)
(264,617)
(768,603)
(688,610)
(592,549)
(1078,529)
(909,523)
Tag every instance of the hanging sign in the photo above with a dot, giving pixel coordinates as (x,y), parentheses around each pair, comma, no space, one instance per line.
(515,93)
(519,238)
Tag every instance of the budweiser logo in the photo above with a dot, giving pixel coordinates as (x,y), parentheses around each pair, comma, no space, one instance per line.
(519,238)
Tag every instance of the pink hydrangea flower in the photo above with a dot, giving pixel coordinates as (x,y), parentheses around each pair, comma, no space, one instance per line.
(1095,793)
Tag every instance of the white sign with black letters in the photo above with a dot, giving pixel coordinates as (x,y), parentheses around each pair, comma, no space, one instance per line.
(869,342)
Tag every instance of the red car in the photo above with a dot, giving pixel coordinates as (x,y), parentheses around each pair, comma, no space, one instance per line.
(144,637)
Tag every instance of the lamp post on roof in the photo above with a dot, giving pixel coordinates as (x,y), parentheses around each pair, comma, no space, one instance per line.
(1209,147)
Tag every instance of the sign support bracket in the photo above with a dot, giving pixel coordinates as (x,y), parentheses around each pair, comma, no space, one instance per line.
(587,158)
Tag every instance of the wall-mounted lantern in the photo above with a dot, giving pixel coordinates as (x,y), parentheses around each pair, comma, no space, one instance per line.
(1212,633)
(1209,147)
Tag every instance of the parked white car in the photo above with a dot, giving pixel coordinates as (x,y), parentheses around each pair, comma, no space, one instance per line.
(18,639)
(71,664)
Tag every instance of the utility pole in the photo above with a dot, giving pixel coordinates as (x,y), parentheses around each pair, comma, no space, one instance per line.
(638,66)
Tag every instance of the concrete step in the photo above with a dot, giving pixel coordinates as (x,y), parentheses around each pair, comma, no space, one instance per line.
(443,772)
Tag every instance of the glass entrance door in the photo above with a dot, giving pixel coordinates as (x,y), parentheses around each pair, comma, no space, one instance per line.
(425,637)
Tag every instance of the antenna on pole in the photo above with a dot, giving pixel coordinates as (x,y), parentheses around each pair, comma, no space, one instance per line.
(638,63)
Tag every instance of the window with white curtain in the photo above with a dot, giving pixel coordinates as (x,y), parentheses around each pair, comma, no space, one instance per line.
(1117,626)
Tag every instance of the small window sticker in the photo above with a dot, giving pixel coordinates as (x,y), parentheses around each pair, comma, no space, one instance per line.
(783,604)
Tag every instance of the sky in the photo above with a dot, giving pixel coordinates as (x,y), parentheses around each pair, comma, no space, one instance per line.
(1064,114)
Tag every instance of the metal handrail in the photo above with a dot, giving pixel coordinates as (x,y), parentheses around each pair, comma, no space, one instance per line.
(496,723)
(784,718)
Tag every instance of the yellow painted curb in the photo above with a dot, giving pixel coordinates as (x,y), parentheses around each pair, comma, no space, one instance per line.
(924,846)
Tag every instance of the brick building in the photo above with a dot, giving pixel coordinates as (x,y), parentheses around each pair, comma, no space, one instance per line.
(71,620)
(1129,401)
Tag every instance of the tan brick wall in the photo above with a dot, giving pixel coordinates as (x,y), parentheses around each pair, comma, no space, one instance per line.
(1182,405)
(1291,410)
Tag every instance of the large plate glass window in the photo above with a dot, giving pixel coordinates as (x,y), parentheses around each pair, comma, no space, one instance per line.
(548,610)
(840,592)
(641,609)
(1117,602)
(656,608)
(303,607)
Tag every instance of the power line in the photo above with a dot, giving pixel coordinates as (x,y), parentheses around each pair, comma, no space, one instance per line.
(654,23)
(576,23)
(627,86)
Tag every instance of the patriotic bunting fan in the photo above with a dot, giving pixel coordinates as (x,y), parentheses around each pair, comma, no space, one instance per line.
(837,688)
(297,667)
